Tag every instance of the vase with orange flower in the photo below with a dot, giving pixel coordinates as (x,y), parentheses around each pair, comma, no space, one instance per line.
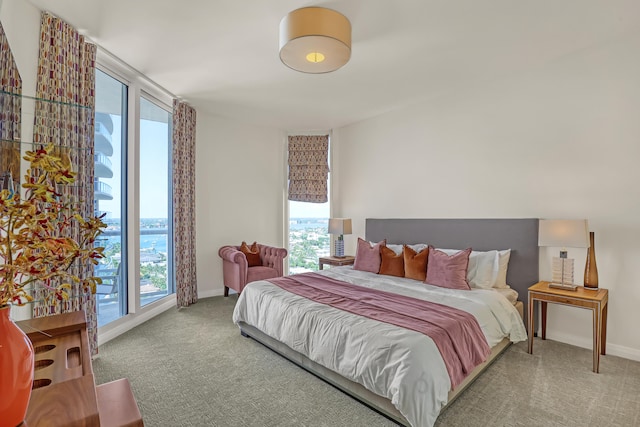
(37,252)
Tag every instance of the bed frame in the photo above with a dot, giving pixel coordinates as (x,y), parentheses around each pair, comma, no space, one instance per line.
(519,235)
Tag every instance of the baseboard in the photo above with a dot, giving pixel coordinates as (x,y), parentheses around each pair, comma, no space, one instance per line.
(120,326)
(211,293)
(612,349)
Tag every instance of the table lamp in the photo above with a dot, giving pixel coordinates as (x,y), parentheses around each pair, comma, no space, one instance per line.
(563,233)
(339,226)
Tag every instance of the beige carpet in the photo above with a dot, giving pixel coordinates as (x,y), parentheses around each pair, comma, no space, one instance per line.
(191,367)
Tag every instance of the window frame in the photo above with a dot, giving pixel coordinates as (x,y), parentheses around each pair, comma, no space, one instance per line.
(138,85)
(287,212)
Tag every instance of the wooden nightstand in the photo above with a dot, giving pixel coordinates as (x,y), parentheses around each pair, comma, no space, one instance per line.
(595,299)
(335,261)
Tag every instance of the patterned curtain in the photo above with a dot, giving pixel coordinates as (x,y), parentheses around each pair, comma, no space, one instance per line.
(66,76)
(184,205)
(308,168)
(10,116)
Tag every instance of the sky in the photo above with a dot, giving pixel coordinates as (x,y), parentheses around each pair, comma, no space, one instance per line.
(308,210)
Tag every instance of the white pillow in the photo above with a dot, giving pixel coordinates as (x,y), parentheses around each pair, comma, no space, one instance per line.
(418,247)
(395,248)
(482,270)
(502,263)
(485,274)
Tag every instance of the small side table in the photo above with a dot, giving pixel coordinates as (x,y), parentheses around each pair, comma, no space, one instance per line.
(596,300)
(335,261)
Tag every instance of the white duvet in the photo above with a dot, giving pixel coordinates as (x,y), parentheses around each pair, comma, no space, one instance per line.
(402,365)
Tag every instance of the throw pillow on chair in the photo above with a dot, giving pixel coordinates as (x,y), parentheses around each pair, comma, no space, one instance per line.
(252,253)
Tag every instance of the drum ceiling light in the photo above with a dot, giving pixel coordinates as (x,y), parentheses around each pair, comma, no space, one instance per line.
(315,40)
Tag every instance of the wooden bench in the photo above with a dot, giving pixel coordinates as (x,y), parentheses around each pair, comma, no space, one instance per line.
(117,406)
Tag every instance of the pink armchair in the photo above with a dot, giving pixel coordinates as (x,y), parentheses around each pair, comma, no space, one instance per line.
(236,272)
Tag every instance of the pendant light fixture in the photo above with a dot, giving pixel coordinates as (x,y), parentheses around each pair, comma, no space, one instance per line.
(315,40)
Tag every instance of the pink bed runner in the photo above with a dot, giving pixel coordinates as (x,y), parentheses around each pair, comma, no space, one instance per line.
(456,333)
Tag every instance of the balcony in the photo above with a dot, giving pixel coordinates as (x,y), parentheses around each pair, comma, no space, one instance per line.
(102,166)
(102,191)
(102,139)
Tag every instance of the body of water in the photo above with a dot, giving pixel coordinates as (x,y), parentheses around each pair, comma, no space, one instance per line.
(308,223)
(149,242)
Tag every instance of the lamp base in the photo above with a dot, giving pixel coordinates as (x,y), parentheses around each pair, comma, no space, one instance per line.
(565,286)
(338,248)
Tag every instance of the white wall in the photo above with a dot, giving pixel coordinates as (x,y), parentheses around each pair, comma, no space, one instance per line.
(21,23)
(239,191)
(562,141)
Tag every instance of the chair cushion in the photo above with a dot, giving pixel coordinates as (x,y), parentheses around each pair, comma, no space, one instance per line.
(260,273)
(252,253)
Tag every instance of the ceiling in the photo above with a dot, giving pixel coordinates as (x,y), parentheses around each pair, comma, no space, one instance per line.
(221,56)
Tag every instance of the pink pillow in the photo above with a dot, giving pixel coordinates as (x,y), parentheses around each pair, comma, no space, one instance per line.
(448,271)
(367,256)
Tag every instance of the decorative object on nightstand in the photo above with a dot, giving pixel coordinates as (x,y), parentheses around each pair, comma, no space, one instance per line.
(563,233)
(590,268)
(339,226)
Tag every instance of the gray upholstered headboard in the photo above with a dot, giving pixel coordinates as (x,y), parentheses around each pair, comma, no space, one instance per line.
(519,235)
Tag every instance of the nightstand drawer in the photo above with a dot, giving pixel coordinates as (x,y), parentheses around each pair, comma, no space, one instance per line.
(558,299)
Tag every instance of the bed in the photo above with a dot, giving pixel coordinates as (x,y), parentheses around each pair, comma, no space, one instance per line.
(397,372)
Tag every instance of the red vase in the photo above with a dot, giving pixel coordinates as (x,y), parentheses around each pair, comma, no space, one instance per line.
(16,370)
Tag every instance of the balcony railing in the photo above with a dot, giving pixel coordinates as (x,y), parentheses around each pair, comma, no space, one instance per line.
(108,305)
(102,191)
(102,139)
(102,130)
(102,166)
(102,159)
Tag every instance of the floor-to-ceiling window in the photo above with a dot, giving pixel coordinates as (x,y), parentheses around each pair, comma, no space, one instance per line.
(133,175)
(309,238)
(155,203)
(110,194)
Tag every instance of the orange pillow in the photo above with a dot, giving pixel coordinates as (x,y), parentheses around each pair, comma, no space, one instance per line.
(415,263)
(252,253)
(390,263)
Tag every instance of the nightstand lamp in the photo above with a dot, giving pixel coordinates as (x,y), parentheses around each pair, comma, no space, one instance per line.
(339,226)
(563,233)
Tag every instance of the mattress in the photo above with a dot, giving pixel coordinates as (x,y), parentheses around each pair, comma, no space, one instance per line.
(398,364)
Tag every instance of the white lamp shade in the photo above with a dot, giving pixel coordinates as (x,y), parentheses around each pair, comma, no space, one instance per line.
(315,40)
(340,226)
(563,233)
